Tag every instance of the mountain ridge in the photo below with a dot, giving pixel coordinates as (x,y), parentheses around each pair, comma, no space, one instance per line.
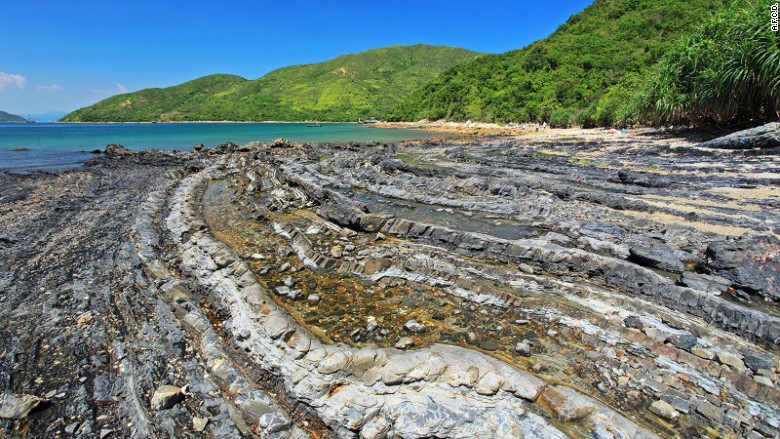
(345,88)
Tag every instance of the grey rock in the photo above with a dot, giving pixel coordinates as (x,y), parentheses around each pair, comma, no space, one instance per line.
(763,380)
(523,348)
(654,253)
(633,322)
(283,290)
(684,341)
(765,136)
(756,361)
(414,326)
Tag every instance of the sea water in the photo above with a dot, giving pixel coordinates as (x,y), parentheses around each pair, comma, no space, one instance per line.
(26,147)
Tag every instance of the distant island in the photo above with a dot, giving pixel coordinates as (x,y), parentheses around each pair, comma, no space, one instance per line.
(8,117)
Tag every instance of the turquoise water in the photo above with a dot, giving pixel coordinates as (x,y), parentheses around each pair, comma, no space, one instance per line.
(53,146)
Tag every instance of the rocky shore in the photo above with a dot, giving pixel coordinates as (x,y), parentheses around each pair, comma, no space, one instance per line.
(570,285)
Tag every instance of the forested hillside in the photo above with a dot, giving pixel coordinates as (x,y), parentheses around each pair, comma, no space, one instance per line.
(586,72)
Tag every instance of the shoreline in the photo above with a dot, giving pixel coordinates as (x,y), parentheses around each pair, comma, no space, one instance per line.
(144,236)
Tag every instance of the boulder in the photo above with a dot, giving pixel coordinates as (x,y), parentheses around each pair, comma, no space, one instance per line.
(115,149)
(523,348)
(683,340)
(415,327)
(750,262)
(405,343)
(756,361)
(633,322)
(281,143)
(664,410)
(566,403)
(732,360)
(765,136)
(715,285)
(653,253)
(166,397)
(19,406)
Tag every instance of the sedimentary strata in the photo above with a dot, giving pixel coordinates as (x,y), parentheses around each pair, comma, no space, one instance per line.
(622,287)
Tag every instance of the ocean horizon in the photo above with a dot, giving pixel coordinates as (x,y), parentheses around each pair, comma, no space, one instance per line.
(51,146)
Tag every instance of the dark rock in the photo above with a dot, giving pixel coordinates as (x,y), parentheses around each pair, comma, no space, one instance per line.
(488,344)
(633,322)
(116,149)
(765,136)
(20,148)
(96,151)
(653,253)
(199,147)
(749,261)
(645,179)
(281,143)
(682,341)
(755,361)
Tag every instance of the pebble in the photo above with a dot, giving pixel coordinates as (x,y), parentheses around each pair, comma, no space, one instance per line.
(405,343)
(199,424)
(664,410)
(414,326)
(166,397)
(523,348)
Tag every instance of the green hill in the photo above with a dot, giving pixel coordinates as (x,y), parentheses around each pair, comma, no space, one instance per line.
(8,117)
(585,72)
(346,88)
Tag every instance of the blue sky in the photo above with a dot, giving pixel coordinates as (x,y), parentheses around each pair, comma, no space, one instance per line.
(62,55)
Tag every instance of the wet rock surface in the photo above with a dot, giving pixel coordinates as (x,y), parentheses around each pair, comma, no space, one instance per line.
(560,288)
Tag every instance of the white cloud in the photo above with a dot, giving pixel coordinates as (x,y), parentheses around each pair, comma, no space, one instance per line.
(49,88)
(120,88)
(12,79)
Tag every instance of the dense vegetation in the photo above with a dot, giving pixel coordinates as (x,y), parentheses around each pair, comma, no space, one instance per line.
(586,72)
(8,117)
(726,72)
(362,85)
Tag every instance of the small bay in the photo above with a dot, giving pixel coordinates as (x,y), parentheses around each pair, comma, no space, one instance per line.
(26,147)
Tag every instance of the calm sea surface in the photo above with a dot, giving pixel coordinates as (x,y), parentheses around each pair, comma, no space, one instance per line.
(53,146)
